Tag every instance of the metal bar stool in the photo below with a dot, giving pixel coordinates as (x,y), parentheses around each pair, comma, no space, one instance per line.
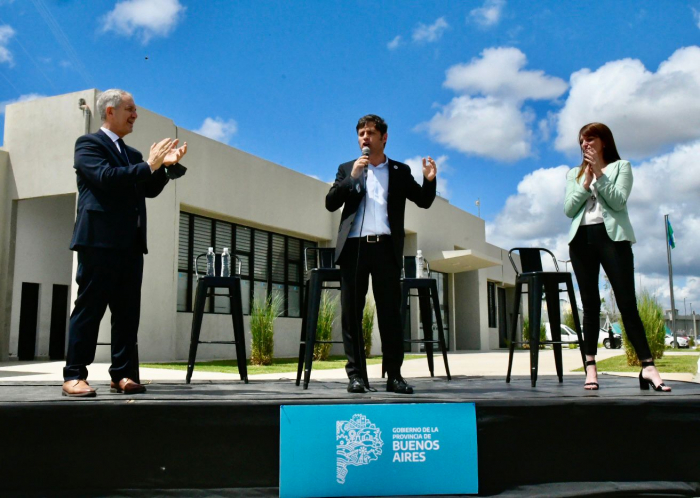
(427,291)
(539,281)
(233,284)
(319,265)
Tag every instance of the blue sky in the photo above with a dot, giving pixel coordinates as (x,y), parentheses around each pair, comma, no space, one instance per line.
(496,89)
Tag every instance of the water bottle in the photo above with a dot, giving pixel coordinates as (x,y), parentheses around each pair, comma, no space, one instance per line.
(225,263)
(419,264)
(211,258)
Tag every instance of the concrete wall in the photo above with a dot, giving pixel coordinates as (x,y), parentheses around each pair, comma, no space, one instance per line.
(41,256)
(7,193)
(40,136)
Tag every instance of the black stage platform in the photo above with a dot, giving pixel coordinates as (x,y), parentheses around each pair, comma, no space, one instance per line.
(222,439)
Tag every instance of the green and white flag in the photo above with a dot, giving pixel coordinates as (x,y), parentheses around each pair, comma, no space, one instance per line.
(669,232)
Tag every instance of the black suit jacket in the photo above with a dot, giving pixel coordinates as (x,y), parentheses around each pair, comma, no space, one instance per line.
(112,194)
(349,193)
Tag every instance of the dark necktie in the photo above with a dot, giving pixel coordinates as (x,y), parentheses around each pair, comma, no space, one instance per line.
(122,147)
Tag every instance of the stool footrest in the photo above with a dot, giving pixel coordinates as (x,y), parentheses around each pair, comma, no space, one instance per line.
(217,342)
(422,341)
(546,343)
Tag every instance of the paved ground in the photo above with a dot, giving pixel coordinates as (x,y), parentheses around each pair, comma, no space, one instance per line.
(491,363)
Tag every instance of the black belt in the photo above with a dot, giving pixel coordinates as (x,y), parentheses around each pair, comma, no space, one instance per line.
(373,239)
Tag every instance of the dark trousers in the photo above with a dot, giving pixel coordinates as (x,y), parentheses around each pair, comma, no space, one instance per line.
(591,248)
(105,277)
(378,260)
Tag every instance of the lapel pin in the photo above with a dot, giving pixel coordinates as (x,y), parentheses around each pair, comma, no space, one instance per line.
(396,167)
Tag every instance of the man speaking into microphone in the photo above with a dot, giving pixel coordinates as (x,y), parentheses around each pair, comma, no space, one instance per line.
(373,190)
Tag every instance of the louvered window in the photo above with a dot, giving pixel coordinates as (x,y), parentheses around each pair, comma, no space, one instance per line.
(260,259)
(278,258)
(270,263)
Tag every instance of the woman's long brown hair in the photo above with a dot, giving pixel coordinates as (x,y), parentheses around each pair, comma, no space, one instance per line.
(610,154)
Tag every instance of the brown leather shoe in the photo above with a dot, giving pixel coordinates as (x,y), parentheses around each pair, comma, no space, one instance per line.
(78,388)
(126,386)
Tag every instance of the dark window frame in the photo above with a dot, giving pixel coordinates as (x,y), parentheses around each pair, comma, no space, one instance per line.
(250,254)
(492,307)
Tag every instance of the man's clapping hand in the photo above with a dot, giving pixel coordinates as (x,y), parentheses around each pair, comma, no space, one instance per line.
(175,154)
(158,153)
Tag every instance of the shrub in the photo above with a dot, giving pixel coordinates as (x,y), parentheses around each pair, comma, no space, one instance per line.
(262,320)
(367,327)
(568,320)
(652,315)
(526,332)
(326,318)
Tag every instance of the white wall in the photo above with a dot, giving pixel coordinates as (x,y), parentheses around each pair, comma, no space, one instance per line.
(6,251)
(42,256)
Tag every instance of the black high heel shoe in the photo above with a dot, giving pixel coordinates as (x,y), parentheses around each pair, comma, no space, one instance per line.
(594,385)
(645,383)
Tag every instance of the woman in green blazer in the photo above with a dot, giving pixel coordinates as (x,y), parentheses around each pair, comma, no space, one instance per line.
(601,235)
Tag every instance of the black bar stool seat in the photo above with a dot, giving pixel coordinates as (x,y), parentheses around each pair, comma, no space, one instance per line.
(321,271)
(427,291)
(233,285)
(539,281)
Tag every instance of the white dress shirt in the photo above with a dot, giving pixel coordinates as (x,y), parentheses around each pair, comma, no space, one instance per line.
(594,209)
(373,208)
(113,136)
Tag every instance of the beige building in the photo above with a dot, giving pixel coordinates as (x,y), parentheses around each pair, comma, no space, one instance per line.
(228,198)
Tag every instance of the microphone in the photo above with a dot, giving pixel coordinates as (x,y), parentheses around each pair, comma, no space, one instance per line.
(365,152)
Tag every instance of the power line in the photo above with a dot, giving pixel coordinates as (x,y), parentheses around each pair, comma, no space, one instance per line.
(62,40)
(36,64)
(10,83)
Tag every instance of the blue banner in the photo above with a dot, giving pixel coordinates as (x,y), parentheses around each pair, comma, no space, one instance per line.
(378,450)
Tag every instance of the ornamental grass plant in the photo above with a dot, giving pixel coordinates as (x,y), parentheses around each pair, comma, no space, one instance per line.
(326,319)
(652,315)
(262,321)
(367,327)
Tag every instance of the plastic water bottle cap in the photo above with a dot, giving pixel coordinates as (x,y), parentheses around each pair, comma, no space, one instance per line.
(211,249)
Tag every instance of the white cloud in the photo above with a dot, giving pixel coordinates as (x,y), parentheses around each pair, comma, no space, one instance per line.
(667,184)
(535,215)
(432,33)
(499,73)
(483,126)
(647,112)
(489,119)
(696,16)
(489,14)
(22,98)
(416,165)
(6,32)
(395,43)
(218,129)
(145,18)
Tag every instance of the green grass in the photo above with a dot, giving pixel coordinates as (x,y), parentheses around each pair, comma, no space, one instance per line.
(686,363)
(279,365)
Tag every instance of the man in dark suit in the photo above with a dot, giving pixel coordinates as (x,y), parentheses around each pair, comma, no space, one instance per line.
(110,238)
(373,190)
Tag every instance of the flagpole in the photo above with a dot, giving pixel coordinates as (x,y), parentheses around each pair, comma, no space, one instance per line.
(670,281)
